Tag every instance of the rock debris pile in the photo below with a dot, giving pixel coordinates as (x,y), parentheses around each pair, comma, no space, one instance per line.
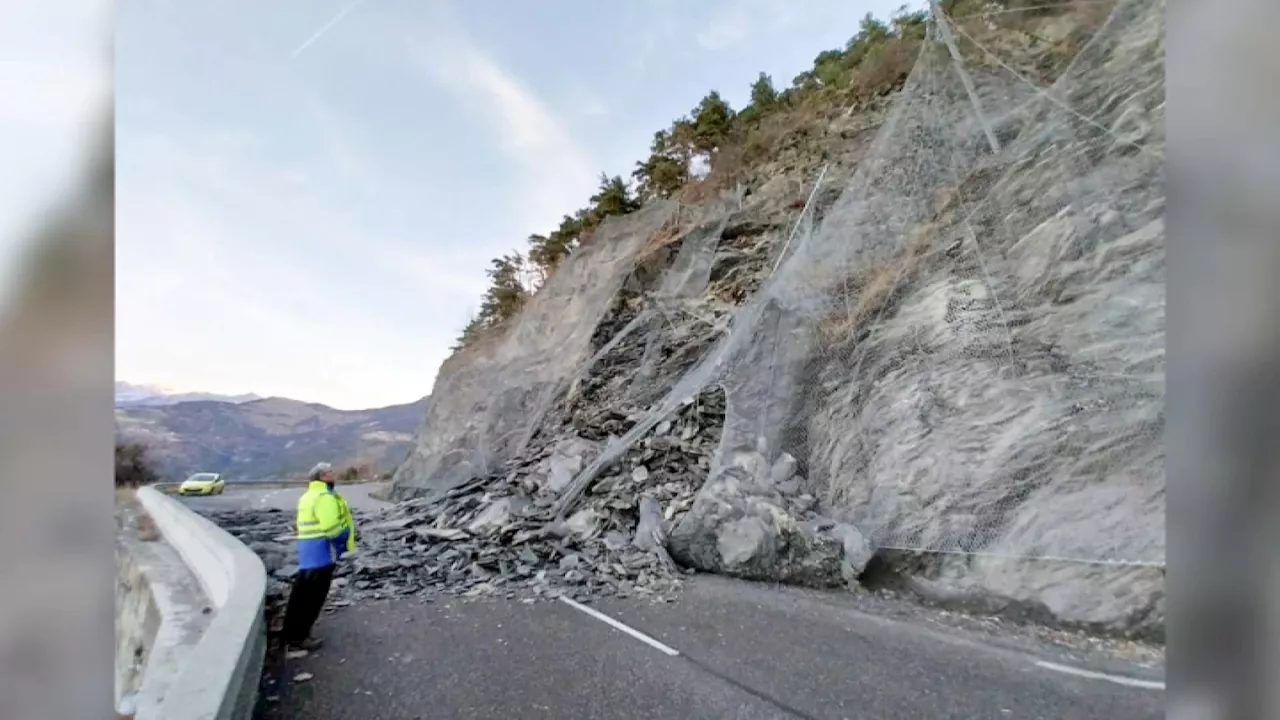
(497,536)
(474,542)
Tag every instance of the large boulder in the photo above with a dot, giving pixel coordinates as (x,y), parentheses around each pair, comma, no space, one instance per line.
(741,527)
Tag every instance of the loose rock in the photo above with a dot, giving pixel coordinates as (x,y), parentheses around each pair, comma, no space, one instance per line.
(496,535)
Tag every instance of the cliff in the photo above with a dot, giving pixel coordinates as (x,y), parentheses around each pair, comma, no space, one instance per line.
(940,364)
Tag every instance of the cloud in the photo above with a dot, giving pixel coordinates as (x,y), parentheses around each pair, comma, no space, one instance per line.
(556,171)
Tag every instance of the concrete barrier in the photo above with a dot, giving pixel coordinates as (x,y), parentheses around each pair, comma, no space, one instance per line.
(219,676)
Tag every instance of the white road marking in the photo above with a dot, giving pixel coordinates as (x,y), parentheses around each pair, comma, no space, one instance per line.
(267,495)
(619,626)
(1119,680)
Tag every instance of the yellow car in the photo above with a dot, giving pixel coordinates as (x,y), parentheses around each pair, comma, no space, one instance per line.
(203,484)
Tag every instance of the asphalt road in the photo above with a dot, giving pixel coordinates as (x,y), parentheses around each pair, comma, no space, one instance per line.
(247,496)
(723,649)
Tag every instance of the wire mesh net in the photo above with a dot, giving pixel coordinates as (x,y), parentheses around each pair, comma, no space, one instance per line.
(965,355)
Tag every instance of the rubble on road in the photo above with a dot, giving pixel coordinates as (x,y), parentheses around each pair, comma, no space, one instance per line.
(472,545)
(497,535)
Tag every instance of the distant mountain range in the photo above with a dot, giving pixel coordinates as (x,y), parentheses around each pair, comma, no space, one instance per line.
(130,395)
(246,437)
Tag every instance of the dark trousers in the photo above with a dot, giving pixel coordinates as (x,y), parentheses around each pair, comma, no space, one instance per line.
(306,600)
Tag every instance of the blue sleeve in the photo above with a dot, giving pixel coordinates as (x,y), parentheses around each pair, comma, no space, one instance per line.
(339,543)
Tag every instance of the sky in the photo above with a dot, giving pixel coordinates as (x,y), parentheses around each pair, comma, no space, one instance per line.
(309,191)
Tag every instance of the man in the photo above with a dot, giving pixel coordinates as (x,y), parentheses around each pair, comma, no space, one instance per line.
(325,532)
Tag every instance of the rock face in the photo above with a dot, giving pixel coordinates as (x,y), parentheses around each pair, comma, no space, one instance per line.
(1009,403)
(948,357)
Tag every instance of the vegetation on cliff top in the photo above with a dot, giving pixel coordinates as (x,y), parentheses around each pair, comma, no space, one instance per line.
(712,136)
(714,146)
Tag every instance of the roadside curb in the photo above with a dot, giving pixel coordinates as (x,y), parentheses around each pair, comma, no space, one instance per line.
(219,680)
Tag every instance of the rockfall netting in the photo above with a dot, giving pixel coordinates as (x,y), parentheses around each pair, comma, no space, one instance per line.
(966,355)
(989,374)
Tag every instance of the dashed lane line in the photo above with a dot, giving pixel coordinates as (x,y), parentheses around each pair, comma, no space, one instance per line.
(1118,679)
(672,652)
(661,647)
(668,650)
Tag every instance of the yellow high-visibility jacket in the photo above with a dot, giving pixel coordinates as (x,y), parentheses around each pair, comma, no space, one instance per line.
(348,522)
(321,526)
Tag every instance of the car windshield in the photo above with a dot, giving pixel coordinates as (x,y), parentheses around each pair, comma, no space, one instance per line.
(203,477)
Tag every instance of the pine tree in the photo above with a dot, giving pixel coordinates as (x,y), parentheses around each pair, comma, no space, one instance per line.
(872,30)
(763,96)
(613,198)
(547,251)
(829,68)
(659,177)
(712,120)
(506,295)
(680,141)
(910,25)
(667,168)
(470,333)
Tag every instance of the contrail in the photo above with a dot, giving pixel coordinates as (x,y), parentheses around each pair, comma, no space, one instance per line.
(325,28)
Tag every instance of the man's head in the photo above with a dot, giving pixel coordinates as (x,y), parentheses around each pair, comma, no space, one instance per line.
(322,472)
